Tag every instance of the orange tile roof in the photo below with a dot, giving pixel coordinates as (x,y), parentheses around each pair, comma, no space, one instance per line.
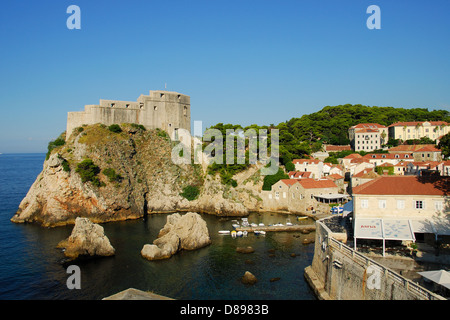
(332,148)
(405,185)
(368,125)
(289,182)
(408,148)
(309,161)
(428,148)
(415,123)
(299,174)
(388,156)
(366,174)
(312,183)
(386,164)
(335,176)
(353,156)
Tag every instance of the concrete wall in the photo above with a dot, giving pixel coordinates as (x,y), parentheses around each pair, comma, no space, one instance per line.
(340,273)
(169,111)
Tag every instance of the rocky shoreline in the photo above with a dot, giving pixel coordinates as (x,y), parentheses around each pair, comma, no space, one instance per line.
(132,175)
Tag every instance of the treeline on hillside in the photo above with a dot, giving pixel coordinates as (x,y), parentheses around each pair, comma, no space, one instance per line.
(302,136)
(330,125)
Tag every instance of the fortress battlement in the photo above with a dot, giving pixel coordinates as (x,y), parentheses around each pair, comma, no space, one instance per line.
(165,110)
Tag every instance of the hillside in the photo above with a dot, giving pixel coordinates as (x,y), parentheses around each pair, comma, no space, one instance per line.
(331,124)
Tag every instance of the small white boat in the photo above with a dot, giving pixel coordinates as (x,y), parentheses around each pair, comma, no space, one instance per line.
(261,224)
(254,225)
(262,232)
(256,232)
(224,232)
(288,222)
(239,233)
(235,224)
(244,233)
(233,234)
(245,222)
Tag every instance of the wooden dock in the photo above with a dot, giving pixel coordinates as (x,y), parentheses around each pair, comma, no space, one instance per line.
(295,227)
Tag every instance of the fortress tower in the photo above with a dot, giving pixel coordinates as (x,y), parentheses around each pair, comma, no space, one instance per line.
(165,110)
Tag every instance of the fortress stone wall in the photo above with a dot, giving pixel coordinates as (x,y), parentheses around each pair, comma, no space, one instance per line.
(165,110)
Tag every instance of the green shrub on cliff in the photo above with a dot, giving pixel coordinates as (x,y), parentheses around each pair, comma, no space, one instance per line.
(190,192)
(88,171)
(60,141)
(112,175)
(115,128)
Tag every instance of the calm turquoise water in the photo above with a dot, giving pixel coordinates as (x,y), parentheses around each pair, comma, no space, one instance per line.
(31,268)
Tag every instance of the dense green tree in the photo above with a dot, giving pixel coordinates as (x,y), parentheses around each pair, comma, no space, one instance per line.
(444,145)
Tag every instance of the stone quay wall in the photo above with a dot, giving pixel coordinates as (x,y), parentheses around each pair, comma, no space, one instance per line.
(338,272)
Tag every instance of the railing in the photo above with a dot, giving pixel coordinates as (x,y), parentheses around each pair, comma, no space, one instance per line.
(401,281)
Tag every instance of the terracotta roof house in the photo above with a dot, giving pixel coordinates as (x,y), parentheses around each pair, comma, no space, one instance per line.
(296,195)
(333,148)
(299,174)
(428,153)
(402,208)
(408,148)
(367,136)
(314,166)
(418,129)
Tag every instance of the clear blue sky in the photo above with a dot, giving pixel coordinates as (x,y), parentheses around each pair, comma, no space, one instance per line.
(246,61)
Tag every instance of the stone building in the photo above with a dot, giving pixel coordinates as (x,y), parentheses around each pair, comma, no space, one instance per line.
(298,195)
(418,203)
(367,136)
(418,129)
(169,111)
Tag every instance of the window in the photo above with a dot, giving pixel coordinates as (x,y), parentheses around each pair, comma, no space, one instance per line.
(185,110)
(112,105)
(364,203)
(382,204)
(127,105)
(438,205)
(418,204)
(400,204)
(277,195)
(284,195)
(293,196)
(155,108)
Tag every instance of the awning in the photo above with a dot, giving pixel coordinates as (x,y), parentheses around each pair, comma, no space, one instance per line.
(384,229)
(331,196)
(441,277)
(436,225)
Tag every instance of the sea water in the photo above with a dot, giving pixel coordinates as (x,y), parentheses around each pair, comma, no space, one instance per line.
(31,267)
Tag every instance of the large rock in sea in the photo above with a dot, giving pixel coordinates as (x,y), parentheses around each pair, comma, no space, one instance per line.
(188,232)
(145,181)
(87,239)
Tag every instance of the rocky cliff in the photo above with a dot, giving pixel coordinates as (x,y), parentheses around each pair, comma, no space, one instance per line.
(110,176)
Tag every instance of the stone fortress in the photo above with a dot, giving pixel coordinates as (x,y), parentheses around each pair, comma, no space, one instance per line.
(165,110)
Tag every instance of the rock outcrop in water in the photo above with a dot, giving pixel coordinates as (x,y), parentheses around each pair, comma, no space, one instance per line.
(132,174)
(86,239)
(181,232)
